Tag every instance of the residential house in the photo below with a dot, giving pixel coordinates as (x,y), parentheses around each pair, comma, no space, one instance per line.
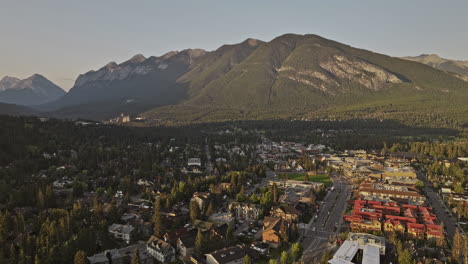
(186,244)
(122,232)
(160,250)
(272,231)
(172,236)
(288,213)
(201,198)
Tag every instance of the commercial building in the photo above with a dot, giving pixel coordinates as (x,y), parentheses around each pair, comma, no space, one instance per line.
(389,217)
(405,193)
(317,186)
(372,247)
(230,255)
(122,255)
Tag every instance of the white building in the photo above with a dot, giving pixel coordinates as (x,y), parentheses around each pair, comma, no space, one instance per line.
(160,250)
(372,246)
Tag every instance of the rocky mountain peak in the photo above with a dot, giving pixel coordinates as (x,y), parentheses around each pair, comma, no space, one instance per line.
(139,58)
(8,82)
(33,90)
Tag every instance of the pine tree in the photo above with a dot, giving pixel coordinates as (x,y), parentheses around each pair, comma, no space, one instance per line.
(157,220)
(40,199)
(296,251)
(405,257)
(284,231)
(194,211)
(284,259)
(229,235)
(240,197)
(136,256)
(199,244)
(37,260)
(210,210)
(80,258)
(247,260)
(326,256)
(274,190)
(13,254)
(465,249)
(458,246)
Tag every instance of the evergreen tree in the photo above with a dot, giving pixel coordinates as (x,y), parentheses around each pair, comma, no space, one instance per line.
(296,251)
(326,256)
(199,244)
(80,258)
(465,249)
(194,211)
(247,260)
(458,247)
(40,199)
(274,190)
(240,197)
(136,256)
(284,231)
(209,210)
(37,260)
(157,220)
(284,259)
(13,254)
(405,257)
(229,235)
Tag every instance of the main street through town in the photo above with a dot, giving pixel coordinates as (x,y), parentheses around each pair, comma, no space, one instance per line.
(439,207)
(329,218)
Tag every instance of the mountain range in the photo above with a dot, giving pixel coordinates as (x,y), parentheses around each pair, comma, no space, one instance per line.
(35,90)
(454,66)
(290,77)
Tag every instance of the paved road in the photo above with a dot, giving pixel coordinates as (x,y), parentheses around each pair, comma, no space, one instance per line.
(328,221)
(440,208)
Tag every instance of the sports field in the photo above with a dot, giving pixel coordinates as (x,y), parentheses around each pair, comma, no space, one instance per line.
(313,178)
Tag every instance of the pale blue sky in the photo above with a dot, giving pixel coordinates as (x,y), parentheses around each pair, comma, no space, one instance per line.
(61,39)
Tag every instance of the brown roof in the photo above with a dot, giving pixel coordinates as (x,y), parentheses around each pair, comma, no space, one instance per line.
(159,244)
(272,223)
(290,210)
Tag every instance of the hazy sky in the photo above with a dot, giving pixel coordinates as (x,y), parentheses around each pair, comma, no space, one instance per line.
(61,39)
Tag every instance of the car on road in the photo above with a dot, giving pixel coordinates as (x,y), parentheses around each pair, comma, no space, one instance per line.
(314,228)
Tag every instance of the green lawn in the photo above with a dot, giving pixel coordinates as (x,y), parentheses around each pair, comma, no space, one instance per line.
(313,178)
